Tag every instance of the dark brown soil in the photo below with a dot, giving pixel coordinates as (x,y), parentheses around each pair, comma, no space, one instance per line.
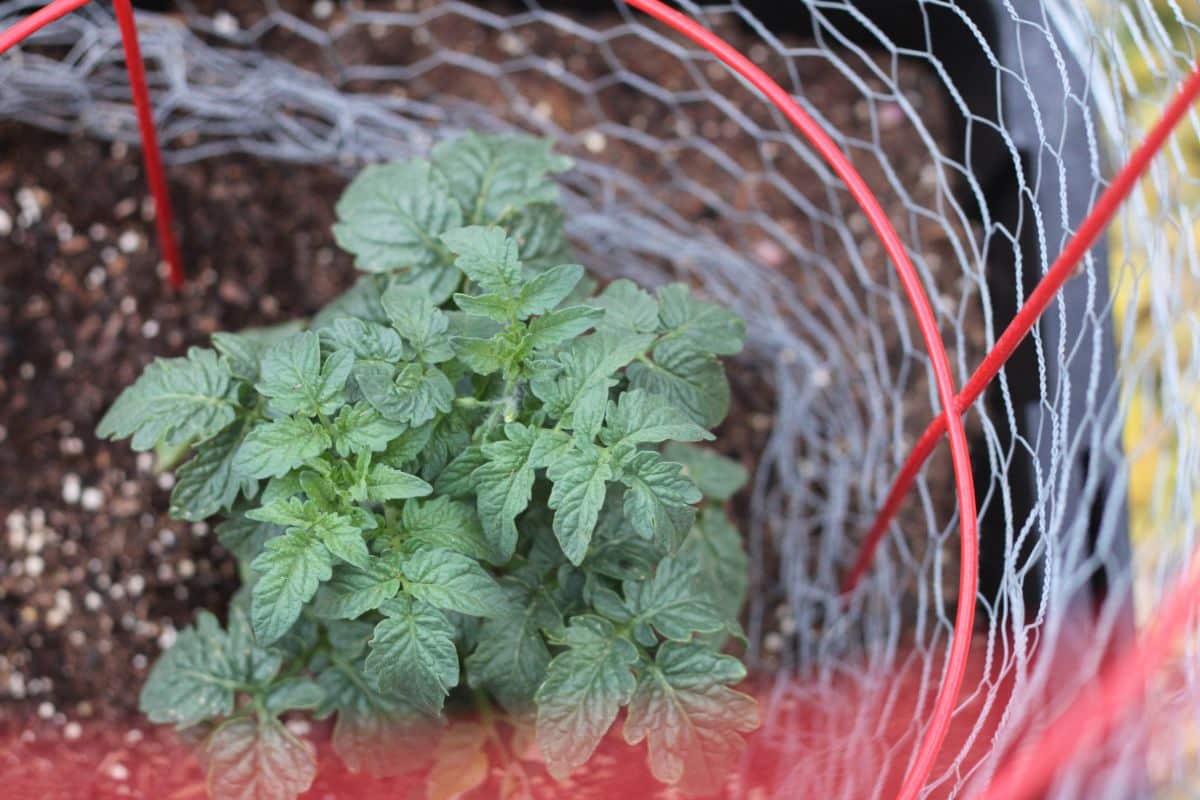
(94,577)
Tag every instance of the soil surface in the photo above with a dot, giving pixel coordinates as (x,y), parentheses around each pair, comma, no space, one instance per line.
(94,577)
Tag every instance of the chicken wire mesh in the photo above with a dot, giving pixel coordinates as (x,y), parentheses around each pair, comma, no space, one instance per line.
(987,129)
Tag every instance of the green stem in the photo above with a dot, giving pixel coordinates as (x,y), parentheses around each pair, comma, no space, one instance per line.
(507,395)
(483,705)
(475,402)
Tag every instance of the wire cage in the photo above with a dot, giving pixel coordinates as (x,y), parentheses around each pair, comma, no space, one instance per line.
(984,145)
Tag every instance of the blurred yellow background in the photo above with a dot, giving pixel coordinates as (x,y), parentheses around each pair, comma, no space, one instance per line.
(1149,74)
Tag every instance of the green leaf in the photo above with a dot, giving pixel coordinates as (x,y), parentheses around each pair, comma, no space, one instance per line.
(579,476)
(352,591)
(298,642)
(257,759)
(616,550)
(412,654)
(453,582)
(294,694)
(627,308)
(488,257)
(546,290)
(407,446)
(493,176)
(574,386)
(320,489)
(244,537)
(457,479)
(341,535)
(508,350)
(391,215)
(343,538)
(715,549)
(419,322)
(329,395)
(207,484)
(463,324)
(175,401)
(489,306)
(377,383)
(375,369)
(449,436)
(657,491)
(447,524)
(383,745)
(692,382)
(539,229)
(418,395)
(240,354)
(296,382)
(439,284)
(389,483)
(504,482)
(286,510)
(281,488)
(673,601)
(347,641)
(244,350)
(699,326)
(638,417)
(196,679)
(361,428)
(482,356)
(374,733)
(692,721)
(607,603)
(276,448)
(369,341)
(718,478)
(290,568)
(585,687)
(254,663)
(413,394)
(558,327)
(511,656)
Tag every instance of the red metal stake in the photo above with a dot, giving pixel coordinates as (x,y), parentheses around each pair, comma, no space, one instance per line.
(150,153)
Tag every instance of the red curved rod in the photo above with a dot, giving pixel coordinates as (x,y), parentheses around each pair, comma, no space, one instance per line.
(38,20)
(1091,717)
(1039,300)
(943,707)
(151,155)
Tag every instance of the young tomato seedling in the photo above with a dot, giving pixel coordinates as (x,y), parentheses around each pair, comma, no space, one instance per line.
(470,477)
